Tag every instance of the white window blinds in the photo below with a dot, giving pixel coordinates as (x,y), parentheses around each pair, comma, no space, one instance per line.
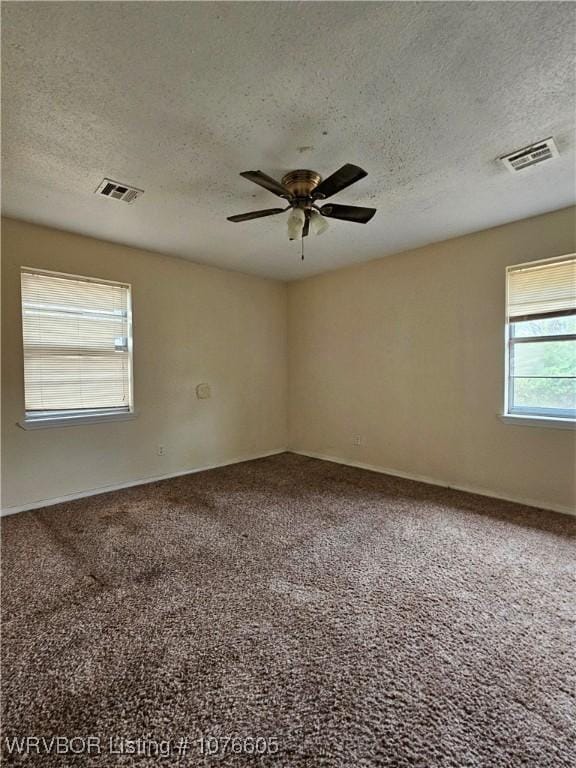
(77,344)
(542,290)
(541,334)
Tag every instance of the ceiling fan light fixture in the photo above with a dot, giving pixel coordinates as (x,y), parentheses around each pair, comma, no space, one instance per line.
(296,221)
(318,223)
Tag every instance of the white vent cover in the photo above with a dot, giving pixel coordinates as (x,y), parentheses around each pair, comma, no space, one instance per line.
(118,191)
(532,155)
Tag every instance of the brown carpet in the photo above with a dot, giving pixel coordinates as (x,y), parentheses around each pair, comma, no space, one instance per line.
(358,619)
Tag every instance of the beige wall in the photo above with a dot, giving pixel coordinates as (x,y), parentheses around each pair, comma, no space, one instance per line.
(408,353)
(191,324)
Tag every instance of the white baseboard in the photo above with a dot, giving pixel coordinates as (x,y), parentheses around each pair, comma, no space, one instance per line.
(360,465)
(443,483)
(143,481)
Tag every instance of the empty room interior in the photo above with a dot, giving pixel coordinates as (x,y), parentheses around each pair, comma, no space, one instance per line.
(288,461)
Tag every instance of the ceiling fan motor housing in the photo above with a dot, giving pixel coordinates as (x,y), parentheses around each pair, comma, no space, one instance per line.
(301,183)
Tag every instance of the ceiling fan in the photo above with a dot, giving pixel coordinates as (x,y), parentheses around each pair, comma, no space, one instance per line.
(302,190)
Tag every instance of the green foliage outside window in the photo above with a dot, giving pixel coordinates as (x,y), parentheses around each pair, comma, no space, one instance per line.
(544,372)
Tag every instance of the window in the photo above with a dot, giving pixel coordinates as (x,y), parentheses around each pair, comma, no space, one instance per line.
(77,348)
(541,340)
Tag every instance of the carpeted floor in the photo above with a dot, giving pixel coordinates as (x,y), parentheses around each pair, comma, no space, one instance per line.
(345,618)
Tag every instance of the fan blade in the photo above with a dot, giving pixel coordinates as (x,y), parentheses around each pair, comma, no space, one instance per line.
(348,213)
(255,214)
(306,228)
(340,179)
(267,182)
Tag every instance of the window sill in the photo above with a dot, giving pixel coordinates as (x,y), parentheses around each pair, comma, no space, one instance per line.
(75,421)
(538,421)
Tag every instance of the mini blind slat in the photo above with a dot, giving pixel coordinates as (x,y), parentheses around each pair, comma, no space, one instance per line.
(76,353)
(542,289)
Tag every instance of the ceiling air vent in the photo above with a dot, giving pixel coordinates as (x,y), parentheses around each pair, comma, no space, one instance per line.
(532,155)
(118,191)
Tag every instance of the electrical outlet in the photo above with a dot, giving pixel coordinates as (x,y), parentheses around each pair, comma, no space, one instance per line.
(161,450)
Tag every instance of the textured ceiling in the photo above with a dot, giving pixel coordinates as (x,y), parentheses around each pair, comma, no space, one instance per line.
(178,98)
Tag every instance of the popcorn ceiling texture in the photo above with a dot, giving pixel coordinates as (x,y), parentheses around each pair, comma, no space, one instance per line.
(178,98)
(362,619)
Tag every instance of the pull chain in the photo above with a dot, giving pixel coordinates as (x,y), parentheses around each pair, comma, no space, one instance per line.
(302,240)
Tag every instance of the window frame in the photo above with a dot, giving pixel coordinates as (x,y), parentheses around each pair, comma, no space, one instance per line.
(535,416)
(74,416)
